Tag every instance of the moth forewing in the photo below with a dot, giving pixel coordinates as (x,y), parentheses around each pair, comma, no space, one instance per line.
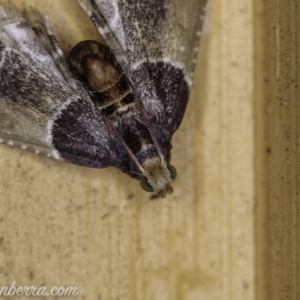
(24,122)
(43,108)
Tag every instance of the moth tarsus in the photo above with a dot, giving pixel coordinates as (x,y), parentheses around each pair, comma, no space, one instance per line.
(122,102)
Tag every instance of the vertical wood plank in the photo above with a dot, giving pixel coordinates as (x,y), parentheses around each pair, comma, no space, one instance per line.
(277,71)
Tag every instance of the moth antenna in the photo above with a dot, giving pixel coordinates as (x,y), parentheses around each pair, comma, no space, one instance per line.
(142,109)
(149,127)
(131,154)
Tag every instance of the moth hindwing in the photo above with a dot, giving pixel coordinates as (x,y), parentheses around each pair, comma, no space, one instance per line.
(130,97)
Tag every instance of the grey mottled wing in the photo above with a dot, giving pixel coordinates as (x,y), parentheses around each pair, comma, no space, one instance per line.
(42,109)
(156,43)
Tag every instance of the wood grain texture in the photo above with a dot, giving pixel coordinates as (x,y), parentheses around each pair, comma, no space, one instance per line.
(64,225)
(278,135)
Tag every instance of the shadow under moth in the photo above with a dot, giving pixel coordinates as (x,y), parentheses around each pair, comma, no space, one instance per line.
(109,105)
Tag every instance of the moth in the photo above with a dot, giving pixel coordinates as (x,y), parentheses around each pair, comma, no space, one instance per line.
(116,104)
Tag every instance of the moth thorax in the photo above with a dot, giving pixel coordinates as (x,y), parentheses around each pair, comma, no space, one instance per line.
(93,62)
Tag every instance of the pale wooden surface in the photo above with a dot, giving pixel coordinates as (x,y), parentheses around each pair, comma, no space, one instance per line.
(64,225)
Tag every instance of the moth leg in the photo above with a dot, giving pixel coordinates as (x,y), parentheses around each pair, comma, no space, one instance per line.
(40,25)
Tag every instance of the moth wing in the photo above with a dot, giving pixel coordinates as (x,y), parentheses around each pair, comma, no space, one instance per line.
(40,110)
(107,17)
(21,124)
(39,24)
(156,43)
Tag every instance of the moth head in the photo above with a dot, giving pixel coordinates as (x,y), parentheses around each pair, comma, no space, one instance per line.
(158,177)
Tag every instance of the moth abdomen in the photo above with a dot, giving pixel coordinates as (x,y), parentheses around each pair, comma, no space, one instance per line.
(123,84)
(94,63)
(128,99)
